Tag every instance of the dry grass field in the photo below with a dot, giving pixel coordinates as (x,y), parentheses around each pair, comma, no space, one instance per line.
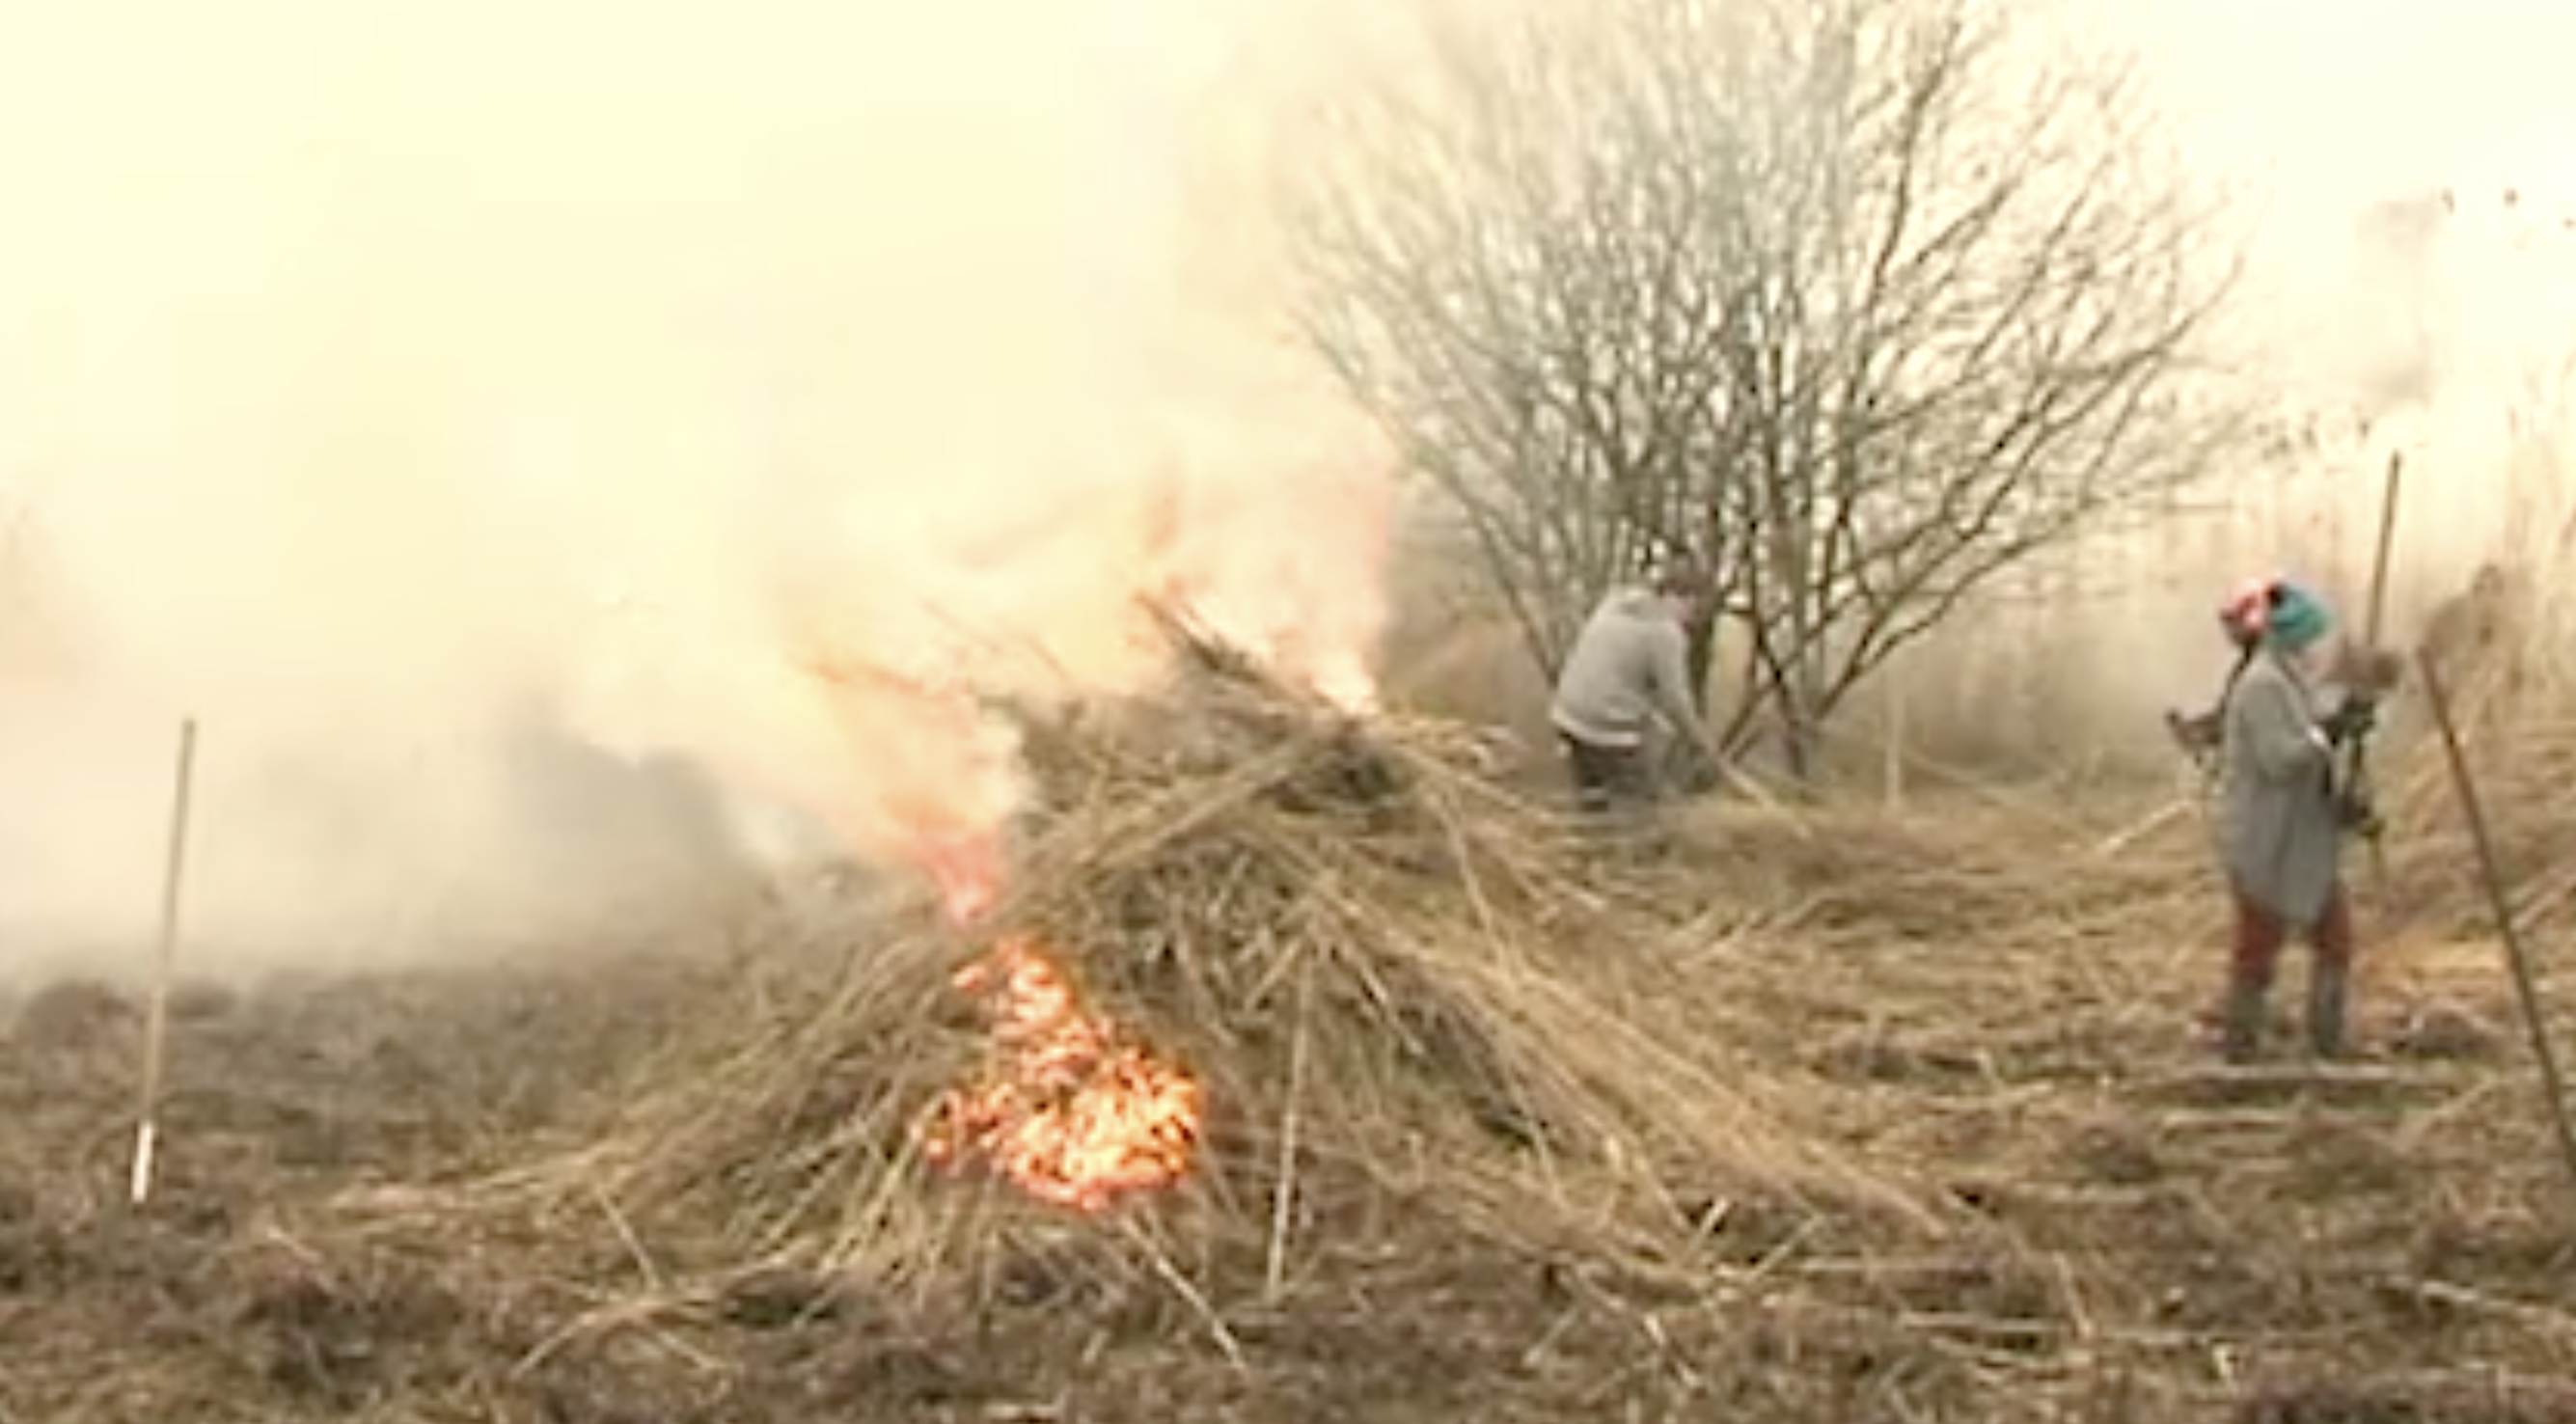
(1411,1103)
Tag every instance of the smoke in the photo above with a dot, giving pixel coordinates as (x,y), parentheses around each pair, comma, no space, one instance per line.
(494,422)
(2410,281)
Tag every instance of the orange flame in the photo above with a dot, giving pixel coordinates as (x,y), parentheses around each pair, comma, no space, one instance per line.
(969,873)
(1064,1108)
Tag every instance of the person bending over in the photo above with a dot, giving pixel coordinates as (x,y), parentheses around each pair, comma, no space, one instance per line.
(1629,667)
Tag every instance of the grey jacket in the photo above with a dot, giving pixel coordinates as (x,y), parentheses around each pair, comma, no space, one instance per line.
(1630,663)
(2283,831)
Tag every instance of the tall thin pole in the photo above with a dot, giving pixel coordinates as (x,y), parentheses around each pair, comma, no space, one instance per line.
(2385,553)
(2500,902)
(156,1032)
(2357,772)
(1893,783)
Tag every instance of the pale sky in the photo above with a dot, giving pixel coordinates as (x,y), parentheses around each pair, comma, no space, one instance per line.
(2352,93)
(2325,106)
(2317,110)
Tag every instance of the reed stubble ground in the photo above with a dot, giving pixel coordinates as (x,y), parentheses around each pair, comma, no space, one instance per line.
(1814,1115)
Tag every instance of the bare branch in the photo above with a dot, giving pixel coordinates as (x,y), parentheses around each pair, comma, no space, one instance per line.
(1872,299)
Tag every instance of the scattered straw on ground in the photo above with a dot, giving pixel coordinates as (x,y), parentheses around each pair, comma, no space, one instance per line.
(1493,1125)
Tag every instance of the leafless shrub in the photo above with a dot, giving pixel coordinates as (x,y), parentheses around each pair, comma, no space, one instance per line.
(1867,301)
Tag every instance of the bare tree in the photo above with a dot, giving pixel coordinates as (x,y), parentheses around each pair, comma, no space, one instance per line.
(1864,300)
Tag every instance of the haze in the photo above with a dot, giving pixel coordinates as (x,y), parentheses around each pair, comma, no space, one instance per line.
(2405,322)
(2376,315)
(416,391)
(452,403)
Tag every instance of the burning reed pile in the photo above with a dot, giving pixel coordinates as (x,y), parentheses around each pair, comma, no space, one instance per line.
(1265,978)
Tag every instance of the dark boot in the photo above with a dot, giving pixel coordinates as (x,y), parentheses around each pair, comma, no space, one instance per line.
(2329,991)
(2240,1032)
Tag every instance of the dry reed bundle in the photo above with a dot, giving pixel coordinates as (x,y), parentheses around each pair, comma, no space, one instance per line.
(2518,729)
(1395,985)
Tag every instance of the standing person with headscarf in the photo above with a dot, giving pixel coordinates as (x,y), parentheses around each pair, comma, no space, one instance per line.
(2240,620)
(2286,815)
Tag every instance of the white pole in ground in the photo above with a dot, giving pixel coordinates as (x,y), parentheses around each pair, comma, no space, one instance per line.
(156,1031)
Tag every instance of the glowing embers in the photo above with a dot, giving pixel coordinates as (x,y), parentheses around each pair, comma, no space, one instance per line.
(1063,1108)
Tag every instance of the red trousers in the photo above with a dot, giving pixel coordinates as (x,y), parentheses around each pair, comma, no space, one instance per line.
(2261,936)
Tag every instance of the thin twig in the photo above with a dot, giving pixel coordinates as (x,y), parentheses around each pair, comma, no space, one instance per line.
(2531,1314)
(626,1237)
(1283,1204)
(2144,827)
(1196,1298)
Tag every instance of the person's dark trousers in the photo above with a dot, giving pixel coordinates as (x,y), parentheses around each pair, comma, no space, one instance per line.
(1605,777)
(2260,938)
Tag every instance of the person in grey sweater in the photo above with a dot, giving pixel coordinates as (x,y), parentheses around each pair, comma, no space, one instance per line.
(1629,667)
(2285,817)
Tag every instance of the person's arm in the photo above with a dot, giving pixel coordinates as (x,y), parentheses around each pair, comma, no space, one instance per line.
(2195,732)
(2274,729)
(1672,687)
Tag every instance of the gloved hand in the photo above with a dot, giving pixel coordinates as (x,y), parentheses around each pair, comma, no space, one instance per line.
(2355,718)
(2195,733)
(1698,771)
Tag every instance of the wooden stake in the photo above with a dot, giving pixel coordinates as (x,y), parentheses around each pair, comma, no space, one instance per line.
(2357,769)
(2500,902)
(1894,783)
(156,1031)
(2385,553)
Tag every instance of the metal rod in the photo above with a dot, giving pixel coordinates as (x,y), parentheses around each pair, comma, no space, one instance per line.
(2500,901)
(156,1032)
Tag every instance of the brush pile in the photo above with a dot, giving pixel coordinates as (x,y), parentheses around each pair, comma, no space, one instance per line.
(2520,747)
(1266,977)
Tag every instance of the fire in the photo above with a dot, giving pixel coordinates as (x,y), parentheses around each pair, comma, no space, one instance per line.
(969,873)
(1064,1108)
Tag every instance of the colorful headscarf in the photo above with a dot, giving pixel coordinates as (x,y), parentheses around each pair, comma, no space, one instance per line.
(2297,619)
(2247,610)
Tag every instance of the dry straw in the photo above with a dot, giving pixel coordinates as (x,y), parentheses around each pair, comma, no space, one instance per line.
(1404,990)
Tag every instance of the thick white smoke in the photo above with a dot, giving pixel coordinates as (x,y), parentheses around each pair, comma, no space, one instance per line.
(451,402)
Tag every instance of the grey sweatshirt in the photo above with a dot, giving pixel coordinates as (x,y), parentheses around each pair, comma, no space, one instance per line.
(1629,664)
(2284,836)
